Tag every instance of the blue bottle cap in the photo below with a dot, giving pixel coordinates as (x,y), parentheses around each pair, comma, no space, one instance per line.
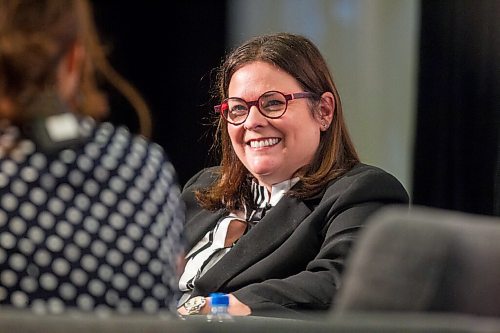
(219,299)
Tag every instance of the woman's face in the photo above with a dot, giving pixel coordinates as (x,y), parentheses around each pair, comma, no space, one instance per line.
(272,149)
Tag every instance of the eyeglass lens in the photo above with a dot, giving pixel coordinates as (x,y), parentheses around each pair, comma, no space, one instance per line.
(271,104)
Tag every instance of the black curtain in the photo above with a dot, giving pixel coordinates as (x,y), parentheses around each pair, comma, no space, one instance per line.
(457,142)
(167,49)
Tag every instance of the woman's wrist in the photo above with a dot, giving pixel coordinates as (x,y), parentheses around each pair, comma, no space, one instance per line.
(194,306)
(236,307)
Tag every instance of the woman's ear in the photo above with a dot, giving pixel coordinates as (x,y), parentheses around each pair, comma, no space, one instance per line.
(69,71)
(326,110)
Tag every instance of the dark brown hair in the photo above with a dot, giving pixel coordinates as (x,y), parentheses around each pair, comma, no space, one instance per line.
(336,154)
(35,35)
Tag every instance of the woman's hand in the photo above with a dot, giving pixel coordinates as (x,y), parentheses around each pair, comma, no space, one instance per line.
(236,308)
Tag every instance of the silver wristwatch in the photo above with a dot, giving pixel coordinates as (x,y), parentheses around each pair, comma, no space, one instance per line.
(194,305)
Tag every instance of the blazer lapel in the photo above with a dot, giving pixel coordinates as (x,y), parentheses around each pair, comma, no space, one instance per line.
(262,239)
(198,225)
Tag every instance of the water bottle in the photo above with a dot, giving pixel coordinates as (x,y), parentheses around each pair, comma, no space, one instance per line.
(219,304)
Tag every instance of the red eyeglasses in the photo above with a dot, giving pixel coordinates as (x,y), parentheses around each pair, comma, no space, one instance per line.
(271,104)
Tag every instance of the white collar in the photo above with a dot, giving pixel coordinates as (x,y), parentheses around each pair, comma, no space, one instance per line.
(262,197)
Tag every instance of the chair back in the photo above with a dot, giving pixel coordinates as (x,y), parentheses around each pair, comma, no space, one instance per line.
(424,260)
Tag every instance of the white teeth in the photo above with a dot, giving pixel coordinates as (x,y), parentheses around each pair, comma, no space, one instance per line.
(264,143)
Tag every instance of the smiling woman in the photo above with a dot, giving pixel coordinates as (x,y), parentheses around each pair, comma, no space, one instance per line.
(295,134)
(290,193)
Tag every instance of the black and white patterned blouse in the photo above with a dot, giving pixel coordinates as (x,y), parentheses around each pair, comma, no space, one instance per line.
(96,227)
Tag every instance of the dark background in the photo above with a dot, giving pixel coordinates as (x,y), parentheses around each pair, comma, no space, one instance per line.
(456,156)
(168,50)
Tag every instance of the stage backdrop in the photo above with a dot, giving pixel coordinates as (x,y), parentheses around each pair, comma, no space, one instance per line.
(457,149)
(167,50)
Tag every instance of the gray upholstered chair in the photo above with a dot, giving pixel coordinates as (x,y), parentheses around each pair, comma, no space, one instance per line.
(424,260)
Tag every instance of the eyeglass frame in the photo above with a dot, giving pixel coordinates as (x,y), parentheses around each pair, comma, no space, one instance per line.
(288,97)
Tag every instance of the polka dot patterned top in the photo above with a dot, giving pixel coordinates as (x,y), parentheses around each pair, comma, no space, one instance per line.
(96,227)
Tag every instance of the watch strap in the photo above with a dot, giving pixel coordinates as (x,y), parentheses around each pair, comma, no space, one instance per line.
(194,305)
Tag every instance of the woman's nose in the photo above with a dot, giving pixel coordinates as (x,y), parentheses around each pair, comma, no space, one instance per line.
(254,119)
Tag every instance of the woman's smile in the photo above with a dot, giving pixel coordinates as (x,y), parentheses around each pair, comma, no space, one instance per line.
(263,143)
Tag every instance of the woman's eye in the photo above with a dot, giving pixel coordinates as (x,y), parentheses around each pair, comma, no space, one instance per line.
(273,104)
(238,109)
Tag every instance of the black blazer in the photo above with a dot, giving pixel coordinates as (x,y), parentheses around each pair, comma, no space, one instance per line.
(293,258)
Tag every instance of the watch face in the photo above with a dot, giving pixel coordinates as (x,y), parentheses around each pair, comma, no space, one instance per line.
(194,305)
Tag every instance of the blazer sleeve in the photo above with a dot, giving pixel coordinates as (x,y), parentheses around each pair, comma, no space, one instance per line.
(342,211)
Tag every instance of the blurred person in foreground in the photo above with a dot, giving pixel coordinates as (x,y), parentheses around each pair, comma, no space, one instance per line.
(90,214)
(273,224)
